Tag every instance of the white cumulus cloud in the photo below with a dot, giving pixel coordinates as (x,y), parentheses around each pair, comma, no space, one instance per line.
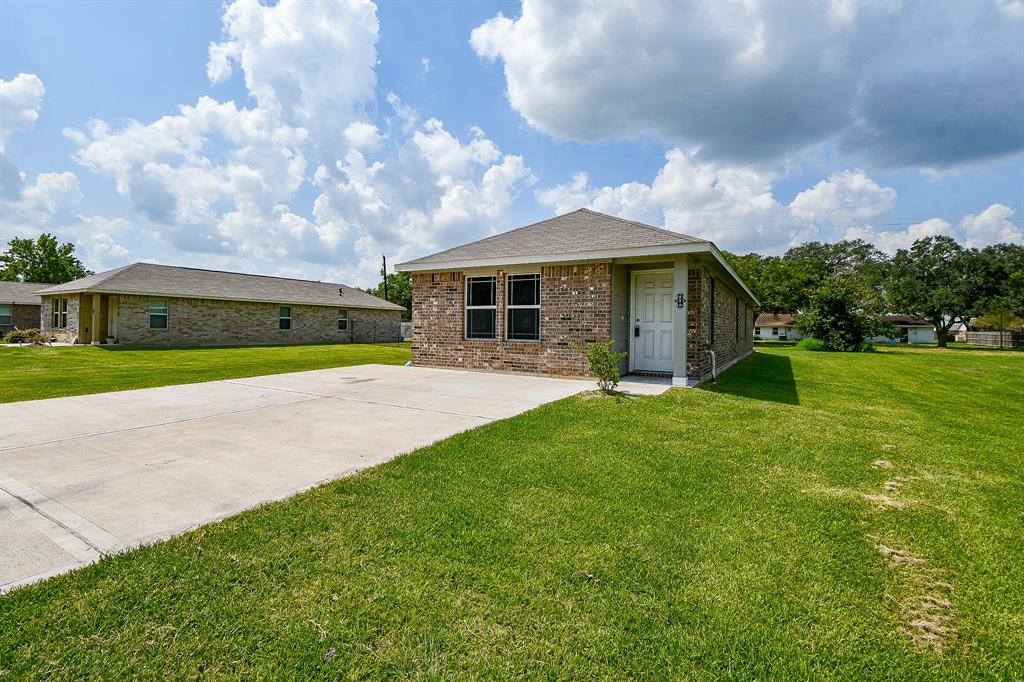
(20,101)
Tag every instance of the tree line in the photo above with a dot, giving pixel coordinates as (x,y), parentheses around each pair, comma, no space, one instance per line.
(839,292)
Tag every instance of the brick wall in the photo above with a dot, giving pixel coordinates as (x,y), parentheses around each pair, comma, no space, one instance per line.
(67,334)
(730,341)
(575,306)
(208,322)
(22,317)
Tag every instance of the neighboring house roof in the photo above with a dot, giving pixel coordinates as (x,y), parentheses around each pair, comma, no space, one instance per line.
(907,321)
(21,293)
(166,280)
(774,320)
(578,236)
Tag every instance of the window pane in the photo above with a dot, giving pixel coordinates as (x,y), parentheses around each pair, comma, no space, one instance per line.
(342,320)
(524,290)
(158,307)
(6,315)
(284,323)
(158,322)
(285,311)
(524,324)
(481,291)
(480,324)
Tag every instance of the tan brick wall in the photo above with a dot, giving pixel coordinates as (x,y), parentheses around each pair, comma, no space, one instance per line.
(22,317)
(730,341)
(203,322)
(67,334)
(209,322)
(575,306)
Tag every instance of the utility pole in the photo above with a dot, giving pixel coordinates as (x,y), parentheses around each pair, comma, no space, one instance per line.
(384,274)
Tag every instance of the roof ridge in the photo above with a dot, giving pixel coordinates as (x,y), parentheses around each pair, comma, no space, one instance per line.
(640,224)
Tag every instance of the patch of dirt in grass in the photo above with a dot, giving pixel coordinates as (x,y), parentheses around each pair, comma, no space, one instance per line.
(925,607)
(881,464)
(891,487)
(598,393)
(885,502)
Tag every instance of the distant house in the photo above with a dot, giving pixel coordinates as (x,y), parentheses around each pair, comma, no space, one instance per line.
(911,330)
(776,327)
(19,305)
(518,301)
(146,304)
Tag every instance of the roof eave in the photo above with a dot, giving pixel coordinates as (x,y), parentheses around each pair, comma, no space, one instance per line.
(582,256)
(599,254)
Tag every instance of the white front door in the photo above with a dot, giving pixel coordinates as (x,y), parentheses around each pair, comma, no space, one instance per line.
(652,307)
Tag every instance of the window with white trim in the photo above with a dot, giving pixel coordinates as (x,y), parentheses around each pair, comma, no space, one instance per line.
(6,315)
(60,313)
(522,310)
(481,307)
(775,331)
(158,314)
(284,317)
(342,320)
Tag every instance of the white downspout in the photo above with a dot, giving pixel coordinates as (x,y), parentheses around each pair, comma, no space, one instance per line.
(714,373)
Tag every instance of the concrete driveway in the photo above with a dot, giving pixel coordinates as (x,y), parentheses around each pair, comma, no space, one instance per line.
(90,475)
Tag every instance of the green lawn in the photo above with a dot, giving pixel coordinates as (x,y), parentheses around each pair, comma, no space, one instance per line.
(34,372)
(737,532)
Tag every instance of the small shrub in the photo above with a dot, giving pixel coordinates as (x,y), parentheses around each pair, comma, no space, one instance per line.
(868,348)
(604,364)
(24,336)
(811,344)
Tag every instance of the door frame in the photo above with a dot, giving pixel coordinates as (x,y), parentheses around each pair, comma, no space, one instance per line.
(632,309)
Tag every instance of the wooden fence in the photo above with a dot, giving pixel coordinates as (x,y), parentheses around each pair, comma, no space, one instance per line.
(996,339)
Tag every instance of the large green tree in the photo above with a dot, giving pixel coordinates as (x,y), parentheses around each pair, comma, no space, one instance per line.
(839,314)
(399,290)
(43,260)
(940,281)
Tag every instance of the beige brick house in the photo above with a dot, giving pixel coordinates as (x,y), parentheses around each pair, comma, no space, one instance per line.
(152,305)
(516,301)
(19,305)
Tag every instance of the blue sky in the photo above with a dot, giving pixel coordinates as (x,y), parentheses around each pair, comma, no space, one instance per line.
(408,127)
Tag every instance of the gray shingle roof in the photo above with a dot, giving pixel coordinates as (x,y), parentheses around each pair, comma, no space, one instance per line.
(21,293)
(167,280)
(576,232)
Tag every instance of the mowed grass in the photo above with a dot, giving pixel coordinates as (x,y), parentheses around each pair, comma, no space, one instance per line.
(34,372)
(721,533)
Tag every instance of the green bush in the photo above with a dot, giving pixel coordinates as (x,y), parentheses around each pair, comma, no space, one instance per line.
(810,344)
(24,336)
(604,364)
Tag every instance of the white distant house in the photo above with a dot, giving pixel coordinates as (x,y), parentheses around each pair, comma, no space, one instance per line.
(776,327)
(911,330)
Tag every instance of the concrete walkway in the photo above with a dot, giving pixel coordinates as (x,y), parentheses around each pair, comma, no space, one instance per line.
(91,475)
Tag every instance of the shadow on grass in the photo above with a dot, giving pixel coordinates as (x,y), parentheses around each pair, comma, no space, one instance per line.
(762,376)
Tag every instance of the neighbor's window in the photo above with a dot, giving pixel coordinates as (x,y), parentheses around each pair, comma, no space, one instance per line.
(158,314)
(775,331)
(60,313)
(523,309)
(712,334)
(342,320)
(481,307)
(6,315)
(284,317)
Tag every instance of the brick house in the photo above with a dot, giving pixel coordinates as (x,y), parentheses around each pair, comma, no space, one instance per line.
(152,305)
(516,301)
(19,305)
